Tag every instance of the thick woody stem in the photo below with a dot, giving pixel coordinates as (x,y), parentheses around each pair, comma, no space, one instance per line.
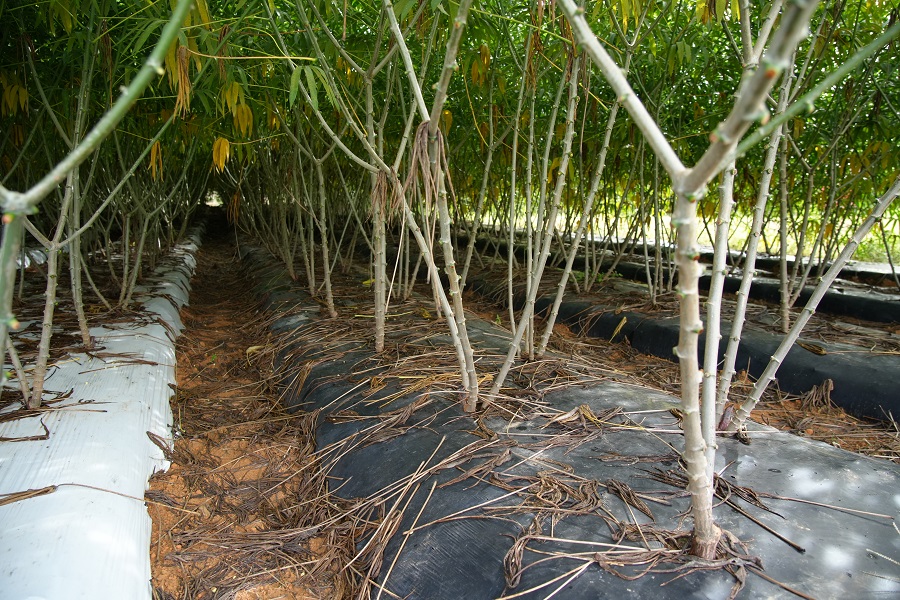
(689,185)
(450,65)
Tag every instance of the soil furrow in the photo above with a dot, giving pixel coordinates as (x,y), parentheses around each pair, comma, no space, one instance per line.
(226,521)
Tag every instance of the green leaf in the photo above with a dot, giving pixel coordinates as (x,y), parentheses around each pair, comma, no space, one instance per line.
(403,8)
(142,39)
(313,88)
(329,91)
(204,100)
(721,5)
(243,76)
(295,85)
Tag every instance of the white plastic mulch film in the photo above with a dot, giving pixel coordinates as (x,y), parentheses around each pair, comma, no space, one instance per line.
(89,537)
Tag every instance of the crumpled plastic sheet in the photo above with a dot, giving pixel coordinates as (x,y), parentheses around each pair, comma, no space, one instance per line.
(435,555)
(30,256)
(89,538)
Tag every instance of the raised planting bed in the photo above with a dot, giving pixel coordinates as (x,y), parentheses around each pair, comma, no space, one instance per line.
(73,522)
(864,374)
(551,486)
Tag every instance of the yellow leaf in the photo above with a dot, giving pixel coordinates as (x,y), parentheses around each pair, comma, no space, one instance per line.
(553,165)
(233,95)
(182,68)
(476,72)
(485,55)
(204,12)
(253,350)
(18,133)
(704,12)
(243,119)
(156,161)
(171,61)
(248,119)
(234,206)
(720,10)
(221,153)
(446,121)
(7,104)
(814,348)
(64,13)
(195,52)
(23,98)
(272,118)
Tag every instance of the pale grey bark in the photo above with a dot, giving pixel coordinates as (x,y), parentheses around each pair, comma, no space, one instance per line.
(511,234)
(689,185)
(784,278)
(586,212)
(528,310)
(322,222)
(713,317)
(380,201)
(768,374)
(743,293)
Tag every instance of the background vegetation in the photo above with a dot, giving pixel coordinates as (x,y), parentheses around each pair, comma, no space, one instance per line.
(325,124)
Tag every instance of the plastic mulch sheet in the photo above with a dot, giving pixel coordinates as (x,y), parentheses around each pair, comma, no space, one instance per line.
(84,532)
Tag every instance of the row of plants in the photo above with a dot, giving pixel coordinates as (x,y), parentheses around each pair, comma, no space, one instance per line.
(403,125)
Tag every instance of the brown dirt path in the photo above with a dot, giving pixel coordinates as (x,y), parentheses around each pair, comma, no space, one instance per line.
(228,517)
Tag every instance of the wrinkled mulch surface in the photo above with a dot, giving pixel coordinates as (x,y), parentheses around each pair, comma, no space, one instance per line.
(245,513)
(811,415)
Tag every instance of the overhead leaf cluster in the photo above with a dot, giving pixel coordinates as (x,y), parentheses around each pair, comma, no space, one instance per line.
(233,81)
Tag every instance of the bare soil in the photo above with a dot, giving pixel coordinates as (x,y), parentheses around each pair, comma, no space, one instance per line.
(228,518)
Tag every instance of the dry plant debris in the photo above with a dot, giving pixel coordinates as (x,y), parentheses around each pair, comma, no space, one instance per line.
(811,415)
(246,510)
(235,516)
